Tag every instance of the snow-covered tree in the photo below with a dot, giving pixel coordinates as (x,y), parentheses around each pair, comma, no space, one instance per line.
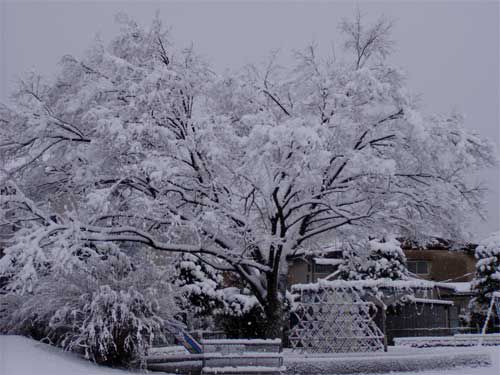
(487,276)
(381,259)
(138,142)
(200,286)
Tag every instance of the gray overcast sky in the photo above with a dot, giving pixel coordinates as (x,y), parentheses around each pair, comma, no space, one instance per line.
(450,49)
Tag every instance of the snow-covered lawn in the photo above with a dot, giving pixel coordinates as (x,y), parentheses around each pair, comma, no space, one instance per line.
(490,370)
(399,361)
(494,369)
(22,356)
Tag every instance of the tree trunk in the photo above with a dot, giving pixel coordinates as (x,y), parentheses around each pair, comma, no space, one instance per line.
(274,307)
(274,317)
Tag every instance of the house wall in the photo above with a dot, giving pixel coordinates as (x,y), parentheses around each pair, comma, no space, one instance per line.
(445,265)
(298,272)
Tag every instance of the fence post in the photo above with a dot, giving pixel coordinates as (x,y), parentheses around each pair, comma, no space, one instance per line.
(384,325)
(483,332)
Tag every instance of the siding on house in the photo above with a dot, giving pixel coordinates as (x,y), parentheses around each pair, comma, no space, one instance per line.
(304,271)
(444,265)
(298,272)
(441,265)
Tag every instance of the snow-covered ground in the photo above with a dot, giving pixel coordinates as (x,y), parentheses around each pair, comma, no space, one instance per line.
(490,370)
(494,369)
(429,361)
(22,356)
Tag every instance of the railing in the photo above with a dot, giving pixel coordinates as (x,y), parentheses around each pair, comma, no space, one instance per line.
(242,353)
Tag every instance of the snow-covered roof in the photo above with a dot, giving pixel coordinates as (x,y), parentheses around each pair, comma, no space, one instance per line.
(362,284)
(429,301)
(315,251)
(331,249)
(328,261)
(461,287)
(436,243)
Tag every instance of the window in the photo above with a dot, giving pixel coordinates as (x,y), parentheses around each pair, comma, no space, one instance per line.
(419,267)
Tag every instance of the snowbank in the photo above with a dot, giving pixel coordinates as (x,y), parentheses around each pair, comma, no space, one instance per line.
(455,340)
(404,361)
(22,356)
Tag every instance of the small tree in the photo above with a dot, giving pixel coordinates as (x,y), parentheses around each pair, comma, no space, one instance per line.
(386,260)
(200,286)
(487,277)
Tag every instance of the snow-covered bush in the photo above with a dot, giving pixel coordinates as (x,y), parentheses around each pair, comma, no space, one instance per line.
(111,326)
(205,294)
(487,277)
(243,315)
(379,259)
(100,302)
(246,325)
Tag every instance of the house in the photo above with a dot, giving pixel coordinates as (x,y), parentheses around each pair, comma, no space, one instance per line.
(400,308)
(305,269)
(452,266)
(440,261)
(436,311)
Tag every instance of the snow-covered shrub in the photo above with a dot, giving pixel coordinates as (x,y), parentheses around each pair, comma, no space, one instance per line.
(487,277)
(242,315)
(110,326)
(379,259)
(102,303)
(246,325)
(205,293)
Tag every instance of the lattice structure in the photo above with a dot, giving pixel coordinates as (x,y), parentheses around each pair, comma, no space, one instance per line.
(334,320)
